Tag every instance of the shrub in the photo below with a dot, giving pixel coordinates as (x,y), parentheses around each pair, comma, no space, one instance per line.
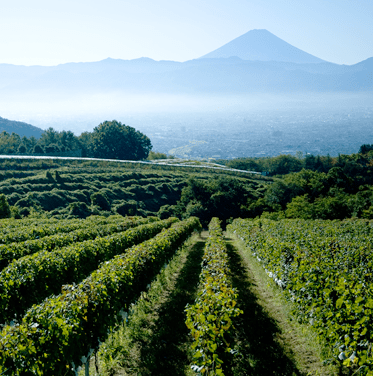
(99,199)
(4,207)
(127,208)
(79,209)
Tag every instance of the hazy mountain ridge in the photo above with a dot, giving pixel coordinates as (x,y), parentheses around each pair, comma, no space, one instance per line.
(300,72)
(203,75)
(20,128)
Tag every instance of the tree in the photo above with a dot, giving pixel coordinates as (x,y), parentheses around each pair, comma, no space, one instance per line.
(68,140)
(49,136)
(114,140)
(156,155)
(52,148)
(22,149)
(9,143)
(284,164)
(300,207)
(365,148)
(222,197)
(38,149)
(84,142)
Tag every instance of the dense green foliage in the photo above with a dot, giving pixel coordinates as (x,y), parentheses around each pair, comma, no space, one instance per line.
(71,189)
(221,197)
(79,193)
(4,207)
(54,336)
(286,163)
(326,269)
(79,231)
(341,189)
(29,229)
(310,195)
(209,319)
(109,140)
(114,140)
(30,279)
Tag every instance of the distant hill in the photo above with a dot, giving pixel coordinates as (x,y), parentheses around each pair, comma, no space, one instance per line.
(261,45)
(22,129)
(256,62)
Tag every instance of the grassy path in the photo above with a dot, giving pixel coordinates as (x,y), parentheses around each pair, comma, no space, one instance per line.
(271,342)
(155,340)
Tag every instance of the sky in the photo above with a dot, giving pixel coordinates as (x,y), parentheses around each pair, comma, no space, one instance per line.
(51,32)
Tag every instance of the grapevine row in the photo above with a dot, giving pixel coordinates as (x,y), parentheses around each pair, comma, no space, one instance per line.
(85,231)
(326,269)
(23,233)
(30,279)
(209,319)
(55,334)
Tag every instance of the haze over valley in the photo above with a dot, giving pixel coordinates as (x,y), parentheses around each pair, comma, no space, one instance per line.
(255,96)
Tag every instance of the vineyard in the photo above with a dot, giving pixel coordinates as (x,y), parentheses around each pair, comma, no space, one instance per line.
(325,269)
(115,270)
(73,189)
(79,302)
(105,275)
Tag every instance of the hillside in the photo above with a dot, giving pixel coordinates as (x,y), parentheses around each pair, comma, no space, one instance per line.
(114,277)
(66,188)
(20,128)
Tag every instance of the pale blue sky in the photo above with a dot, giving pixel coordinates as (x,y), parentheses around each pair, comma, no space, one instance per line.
(49,32)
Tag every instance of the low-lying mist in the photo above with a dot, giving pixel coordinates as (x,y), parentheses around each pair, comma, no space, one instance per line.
(224,126)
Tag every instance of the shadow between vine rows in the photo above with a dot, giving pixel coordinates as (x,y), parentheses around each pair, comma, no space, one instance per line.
(166,353)
(256,331)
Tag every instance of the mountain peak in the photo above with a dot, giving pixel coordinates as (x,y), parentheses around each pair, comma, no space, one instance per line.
(262,45)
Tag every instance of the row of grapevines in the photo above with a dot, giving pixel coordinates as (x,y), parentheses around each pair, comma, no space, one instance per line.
(87,230)
(326,268)
(55,334)
(209,319)
(48,227)
(30,279)
(9,224)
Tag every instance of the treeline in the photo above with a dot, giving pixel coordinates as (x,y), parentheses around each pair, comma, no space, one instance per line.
(286,163)
(311,187)
(340,188)
(109,140)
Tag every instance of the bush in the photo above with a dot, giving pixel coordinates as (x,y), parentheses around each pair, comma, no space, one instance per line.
(166,211)
(4,207)
(127,208)
(79,209)
(15,213)
(99,199)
